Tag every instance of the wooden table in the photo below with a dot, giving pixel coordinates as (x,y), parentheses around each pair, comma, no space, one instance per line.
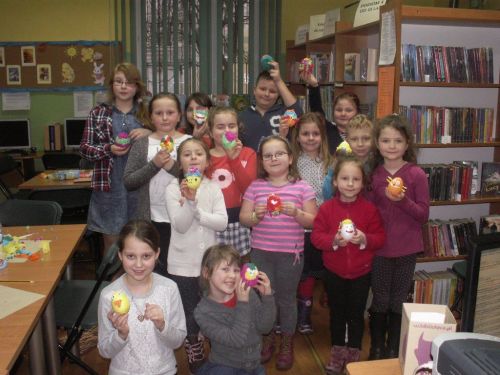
(39,182)
(16,328)
(381,367)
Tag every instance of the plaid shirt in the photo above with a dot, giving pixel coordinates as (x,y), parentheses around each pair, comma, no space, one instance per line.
(96,145)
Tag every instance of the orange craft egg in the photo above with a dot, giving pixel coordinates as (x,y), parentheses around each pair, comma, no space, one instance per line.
(395,186)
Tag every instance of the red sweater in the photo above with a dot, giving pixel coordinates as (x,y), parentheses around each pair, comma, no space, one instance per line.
(348,262)
(233,176)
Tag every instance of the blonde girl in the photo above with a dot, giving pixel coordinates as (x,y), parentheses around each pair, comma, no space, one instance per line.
(233,169)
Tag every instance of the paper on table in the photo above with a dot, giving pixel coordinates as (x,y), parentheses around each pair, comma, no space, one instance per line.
(12,300)
(427,317)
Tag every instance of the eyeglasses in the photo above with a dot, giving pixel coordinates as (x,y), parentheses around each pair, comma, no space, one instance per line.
(119,83)
(277,155)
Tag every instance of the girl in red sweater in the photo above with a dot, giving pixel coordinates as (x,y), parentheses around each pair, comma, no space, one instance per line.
(233,167)
(348,229)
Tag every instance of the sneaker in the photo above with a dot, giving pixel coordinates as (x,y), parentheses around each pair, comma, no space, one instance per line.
(284,361)
(304,324)
(336,363)
(268,347)
(195,353)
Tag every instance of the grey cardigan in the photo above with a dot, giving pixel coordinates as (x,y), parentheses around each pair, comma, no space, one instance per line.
(235,333)
(138,173)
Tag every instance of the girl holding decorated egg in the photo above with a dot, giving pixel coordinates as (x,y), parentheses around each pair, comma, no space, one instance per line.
(110,128)
(234,312)
(348,230)
(404,208)
(141,320)
(310,148)
(233,167)
(152,165)
(278,206)
(195,205)
(196,110)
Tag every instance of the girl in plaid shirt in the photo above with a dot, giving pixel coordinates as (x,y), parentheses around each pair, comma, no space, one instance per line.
(111,205)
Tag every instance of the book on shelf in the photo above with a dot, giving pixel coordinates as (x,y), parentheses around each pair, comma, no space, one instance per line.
(368,64)
(490,178)
(352,66)
(447,238)
(451,182)
(438,287)
(489,224)
(474,171)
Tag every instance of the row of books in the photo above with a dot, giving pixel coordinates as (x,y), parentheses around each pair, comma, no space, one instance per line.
(448,238)
(452,182)
(437,288)
(449,124)
(361,66)
(446,64)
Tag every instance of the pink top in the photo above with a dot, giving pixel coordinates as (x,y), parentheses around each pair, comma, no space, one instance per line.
(279,233)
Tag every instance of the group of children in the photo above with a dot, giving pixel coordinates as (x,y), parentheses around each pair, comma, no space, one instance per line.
(196,240)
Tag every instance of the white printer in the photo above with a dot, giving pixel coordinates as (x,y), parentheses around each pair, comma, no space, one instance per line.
(464,353)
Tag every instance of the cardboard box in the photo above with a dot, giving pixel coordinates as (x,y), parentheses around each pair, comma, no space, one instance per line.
(420,324)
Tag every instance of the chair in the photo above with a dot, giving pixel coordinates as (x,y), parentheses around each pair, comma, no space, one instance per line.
(76,306)
(8,165)
(17,212)
(61,160)
(74,202)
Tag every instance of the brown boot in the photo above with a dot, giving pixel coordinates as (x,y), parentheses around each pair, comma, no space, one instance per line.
(284,361)
(195,352)
(336,363)
(268,347)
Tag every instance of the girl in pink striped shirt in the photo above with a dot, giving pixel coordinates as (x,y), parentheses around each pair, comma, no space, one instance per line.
(278,206)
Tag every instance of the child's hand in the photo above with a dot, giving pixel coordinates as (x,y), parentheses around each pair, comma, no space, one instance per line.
(359,238)
(263,284)
(119,151)
(289,208)
(394,198)
(200,130)
(242,290)
(120,323)
(163,159)
(139,133)
(186,192)
(235,151)
(155,314)
(309,79)
(284,128)
(339,240)
(260,210)
(274,72)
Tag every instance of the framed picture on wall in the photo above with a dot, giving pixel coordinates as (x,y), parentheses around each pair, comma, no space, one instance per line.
(2,56)
(13,74)
(44,74)
(28,56)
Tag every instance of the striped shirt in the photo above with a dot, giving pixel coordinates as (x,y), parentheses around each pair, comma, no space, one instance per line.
(279,233)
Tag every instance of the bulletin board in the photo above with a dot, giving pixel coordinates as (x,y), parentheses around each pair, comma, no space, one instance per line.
(57,66)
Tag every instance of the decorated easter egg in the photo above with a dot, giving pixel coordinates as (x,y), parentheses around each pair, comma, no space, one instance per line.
(167,143)
(193,178)
(122,139)
(395,186)
(200,116)
(249,274)
(290,117)
(264,62)
(343,149)
(120,302)
(306,65)
(347,229)
(229,140)
(273,204)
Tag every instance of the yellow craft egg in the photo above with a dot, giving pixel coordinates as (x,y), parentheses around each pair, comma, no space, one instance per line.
(120,303)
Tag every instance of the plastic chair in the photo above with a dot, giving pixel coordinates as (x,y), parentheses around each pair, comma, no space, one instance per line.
(7,165)
(61,160)
(76,305)
(74,202)
(17,212)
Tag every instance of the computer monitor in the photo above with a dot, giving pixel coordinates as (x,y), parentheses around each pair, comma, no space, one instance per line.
(481,303)
(15,134)
(73,131)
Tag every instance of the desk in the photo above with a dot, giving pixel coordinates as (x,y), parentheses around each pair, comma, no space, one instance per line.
(16,328)
(381,367)
(40,183)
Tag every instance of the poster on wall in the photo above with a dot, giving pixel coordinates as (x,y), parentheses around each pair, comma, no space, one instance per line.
(57,66)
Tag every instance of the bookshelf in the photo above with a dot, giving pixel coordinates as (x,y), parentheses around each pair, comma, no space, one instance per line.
(445,27)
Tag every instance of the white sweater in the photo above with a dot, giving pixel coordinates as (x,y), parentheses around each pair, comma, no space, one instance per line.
(193,226)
